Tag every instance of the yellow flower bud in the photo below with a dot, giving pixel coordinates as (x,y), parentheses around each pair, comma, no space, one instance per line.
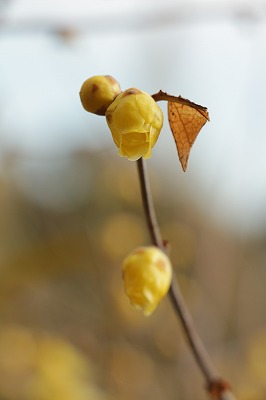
(98,92)
(147,275)
(135,121)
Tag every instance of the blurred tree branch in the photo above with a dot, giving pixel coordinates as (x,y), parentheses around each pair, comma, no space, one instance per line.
(106,16)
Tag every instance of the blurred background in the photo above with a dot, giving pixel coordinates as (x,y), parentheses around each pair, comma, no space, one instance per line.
(70,208)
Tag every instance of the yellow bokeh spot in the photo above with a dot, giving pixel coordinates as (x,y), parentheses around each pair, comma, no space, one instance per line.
(120,232)
(257,358)
(37,366)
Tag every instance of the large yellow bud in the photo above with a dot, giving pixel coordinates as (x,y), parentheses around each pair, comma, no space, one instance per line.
(135,121)
(98,92)
(147,275)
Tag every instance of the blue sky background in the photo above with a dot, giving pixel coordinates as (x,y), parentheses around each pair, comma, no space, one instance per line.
(213,53)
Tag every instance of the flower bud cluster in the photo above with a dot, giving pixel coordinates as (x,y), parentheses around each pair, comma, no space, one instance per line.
(134,118)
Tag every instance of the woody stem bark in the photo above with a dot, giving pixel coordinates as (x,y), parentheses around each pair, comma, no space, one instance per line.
(215,386)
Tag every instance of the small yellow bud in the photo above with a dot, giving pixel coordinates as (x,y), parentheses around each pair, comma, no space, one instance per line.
(135,121)
(98,92)
(147,275)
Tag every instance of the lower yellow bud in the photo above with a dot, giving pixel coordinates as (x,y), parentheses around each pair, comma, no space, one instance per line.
(135,121)
(98,92)
(147,275)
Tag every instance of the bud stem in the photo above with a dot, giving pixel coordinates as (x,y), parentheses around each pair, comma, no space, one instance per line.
(148,205)
(216,387)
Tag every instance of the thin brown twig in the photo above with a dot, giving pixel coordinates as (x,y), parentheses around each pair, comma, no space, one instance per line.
(177,99)
(216,387)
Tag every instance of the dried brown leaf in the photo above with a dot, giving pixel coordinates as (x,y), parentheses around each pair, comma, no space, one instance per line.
(186,120)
